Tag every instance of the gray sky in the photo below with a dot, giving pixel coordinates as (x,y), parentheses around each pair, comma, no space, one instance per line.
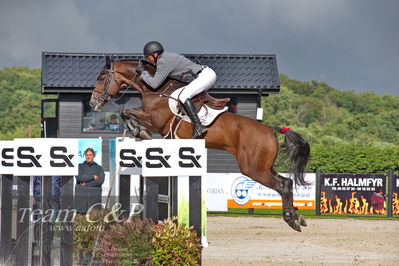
(352,45)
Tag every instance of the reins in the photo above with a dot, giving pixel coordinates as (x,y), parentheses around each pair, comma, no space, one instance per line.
(163,93)
(111,75)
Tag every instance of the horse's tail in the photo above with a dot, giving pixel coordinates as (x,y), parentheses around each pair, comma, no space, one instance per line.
(295,152)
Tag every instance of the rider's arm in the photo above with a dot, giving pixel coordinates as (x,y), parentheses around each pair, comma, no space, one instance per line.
(83,176)
(97,182)
(163,70)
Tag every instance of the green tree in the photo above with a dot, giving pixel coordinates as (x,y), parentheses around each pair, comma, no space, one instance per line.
(19,102)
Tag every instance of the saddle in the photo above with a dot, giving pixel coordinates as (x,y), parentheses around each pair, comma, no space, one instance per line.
(204,98)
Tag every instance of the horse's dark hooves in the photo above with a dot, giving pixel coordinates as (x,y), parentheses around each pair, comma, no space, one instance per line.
(295,225)
(145,134)
(292,220)
(302,220)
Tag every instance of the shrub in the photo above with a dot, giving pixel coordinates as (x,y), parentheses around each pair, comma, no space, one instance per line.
(135,241)
(175,244)
(354,158)
(86,231)
(127,243)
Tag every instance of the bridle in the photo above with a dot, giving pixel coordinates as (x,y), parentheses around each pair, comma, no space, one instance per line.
(110,75)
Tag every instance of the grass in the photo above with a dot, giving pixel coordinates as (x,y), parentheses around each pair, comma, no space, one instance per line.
(306,213)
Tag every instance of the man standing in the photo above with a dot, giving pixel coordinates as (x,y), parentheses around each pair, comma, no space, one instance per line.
(88,184)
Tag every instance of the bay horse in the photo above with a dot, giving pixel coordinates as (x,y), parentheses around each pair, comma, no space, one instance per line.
(254,145)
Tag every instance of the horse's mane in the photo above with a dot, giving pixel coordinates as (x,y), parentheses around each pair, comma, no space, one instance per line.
(146,63)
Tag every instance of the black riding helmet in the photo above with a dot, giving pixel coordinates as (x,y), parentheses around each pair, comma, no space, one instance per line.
(152,47)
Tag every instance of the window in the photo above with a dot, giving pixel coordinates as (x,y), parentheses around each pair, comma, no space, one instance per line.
(109,119)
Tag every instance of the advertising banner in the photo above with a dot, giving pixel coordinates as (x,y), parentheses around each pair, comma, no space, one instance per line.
(45,157)
(129,156)
(176,157)
(353,194)
(6,157)
(217,191)
(246,193)
(395,195)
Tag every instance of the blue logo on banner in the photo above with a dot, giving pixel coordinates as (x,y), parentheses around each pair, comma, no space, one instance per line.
(241,189)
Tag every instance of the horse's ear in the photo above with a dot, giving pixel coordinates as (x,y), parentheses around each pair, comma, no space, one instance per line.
(108,60)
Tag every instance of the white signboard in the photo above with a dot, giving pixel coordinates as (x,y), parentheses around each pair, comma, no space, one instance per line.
(129,156)
(45,157)
(217,192)
(6,157)
(246,193)
(176,157)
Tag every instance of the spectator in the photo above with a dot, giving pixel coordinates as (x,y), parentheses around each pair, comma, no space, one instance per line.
(114,124)
(88,184)
(55,199)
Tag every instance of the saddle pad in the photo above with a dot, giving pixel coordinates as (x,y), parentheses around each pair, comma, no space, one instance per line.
(206,115)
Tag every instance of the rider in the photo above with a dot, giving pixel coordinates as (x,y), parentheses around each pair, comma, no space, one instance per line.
(176,66)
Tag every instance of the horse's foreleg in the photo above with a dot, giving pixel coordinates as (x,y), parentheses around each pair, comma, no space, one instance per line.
(131,123)
(133,119)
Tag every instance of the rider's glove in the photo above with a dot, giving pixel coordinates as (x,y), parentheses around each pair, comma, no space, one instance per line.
(140,68)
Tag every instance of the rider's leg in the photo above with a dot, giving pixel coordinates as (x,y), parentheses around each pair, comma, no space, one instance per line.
(204,81)
(198,128)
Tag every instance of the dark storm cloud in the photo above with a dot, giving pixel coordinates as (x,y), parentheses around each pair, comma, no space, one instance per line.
(349,44)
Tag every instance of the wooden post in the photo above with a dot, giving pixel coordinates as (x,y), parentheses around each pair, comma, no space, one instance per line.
(173,196)
(66,216)
(46,232)
(195,204)
(389,193)
(23,250)
(124,194)
(151,206)
(318,174)
(29,131)
(5,218)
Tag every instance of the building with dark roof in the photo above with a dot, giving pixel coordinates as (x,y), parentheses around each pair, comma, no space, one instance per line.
(72,76)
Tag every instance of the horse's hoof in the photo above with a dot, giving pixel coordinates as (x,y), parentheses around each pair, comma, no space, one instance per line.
(145,134)
(302,220)
(296,226)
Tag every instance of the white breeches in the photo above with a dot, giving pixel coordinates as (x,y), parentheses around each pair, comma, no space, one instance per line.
(204,81)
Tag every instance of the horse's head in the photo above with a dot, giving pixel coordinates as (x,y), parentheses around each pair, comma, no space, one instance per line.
(114,77)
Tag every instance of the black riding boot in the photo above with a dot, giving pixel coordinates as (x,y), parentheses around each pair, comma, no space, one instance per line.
(198,128)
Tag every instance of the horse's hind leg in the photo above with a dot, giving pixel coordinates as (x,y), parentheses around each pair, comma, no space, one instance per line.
(284,187)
